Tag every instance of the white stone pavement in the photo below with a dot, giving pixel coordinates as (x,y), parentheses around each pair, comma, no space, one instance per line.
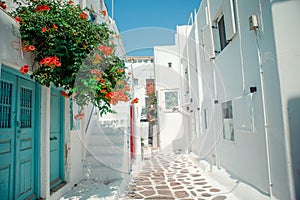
(169,176)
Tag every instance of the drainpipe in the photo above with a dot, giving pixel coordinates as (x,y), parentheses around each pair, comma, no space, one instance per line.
(190,20)
(266,129)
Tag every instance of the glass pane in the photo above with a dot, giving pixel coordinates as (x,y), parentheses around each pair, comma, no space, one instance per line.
(26,107)
(5,104)
(171,99)
(228,129)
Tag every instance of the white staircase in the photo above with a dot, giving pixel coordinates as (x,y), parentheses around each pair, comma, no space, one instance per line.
(107,156)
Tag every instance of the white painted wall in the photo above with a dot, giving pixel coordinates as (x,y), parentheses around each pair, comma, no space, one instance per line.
(262,154)
(171,128)
(11,54)
(287,52)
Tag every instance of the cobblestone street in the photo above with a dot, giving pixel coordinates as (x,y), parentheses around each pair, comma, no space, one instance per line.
(173,176)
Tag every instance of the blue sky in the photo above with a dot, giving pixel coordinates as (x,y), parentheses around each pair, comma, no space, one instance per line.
(144,24)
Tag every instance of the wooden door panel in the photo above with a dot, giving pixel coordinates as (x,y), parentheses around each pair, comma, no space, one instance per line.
(7,134)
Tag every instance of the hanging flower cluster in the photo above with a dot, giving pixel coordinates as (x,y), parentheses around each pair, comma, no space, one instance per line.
(72,53)
(51,61)
(24,69)
(103,76)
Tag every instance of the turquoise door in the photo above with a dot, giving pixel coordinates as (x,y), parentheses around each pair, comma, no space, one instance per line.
(18,170)
(56,138)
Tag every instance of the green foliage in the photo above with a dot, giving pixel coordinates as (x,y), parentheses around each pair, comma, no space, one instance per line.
(62,30)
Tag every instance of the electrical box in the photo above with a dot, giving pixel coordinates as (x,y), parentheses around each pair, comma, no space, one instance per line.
(253,22)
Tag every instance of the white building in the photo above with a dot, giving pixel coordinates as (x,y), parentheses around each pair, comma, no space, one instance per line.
(42,147)
(142,71)
(242,66)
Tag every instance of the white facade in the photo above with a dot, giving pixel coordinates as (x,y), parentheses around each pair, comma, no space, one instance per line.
(141,69)
(12,58)
(172,100)
(74,140)
(244,60)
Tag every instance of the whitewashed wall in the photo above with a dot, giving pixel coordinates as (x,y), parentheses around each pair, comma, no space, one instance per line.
(287,52)
(11,55)
(171,128)
(261,154)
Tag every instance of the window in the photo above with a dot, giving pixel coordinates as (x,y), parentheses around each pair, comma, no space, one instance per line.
(228,128)
(135,81)
(170,65)
(171,100)
(222,33)
(224,26)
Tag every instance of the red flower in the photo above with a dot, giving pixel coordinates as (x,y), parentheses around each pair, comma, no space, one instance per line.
(98,56)
(104,91)
(42,8)
(44,29)
(120,70)
(101,48)
(109,95)
(31,48)
(26,48)
(135,100)
(100,79)
(54,26)
(103,12)
(2,5)
(79,116)
(70,2)
(51,62)
(18,19)
(83,15)
(64,94)
(107,51)
(24,69)
(126,88)
(57,63)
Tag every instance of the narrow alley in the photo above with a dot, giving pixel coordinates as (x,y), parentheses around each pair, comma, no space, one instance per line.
(172,99)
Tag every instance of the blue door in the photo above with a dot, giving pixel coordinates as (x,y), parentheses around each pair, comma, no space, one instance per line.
(18,170)
(56,139)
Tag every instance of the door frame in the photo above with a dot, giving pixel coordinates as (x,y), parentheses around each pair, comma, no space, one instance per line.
(37,108)
(62,139)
